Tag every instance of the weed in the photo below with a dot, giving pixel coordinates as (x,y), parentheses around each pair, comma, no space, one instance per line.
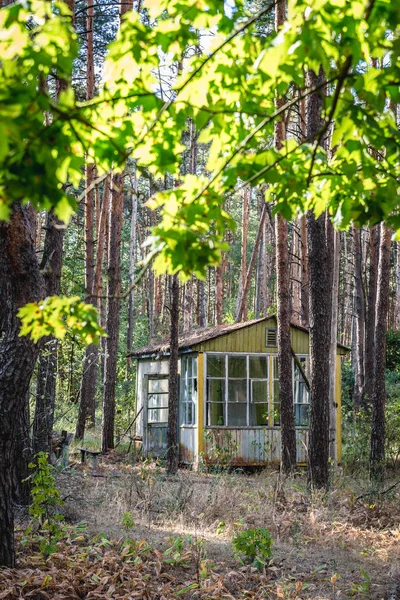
(46,526)
(253,545)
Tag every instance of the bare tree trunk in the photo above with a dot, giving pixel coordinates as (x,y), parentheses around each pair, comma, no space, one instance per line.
(245,231)
(320,317)
(132,262)
(360,318)
(188,305)
(333,349)
(172,432)
(397,299)
(219,294)
(201,320)
(242,297)
(377,457)
(371,313)
(21,283)
(285,360)
(305,317)
(47,365)
(113,312)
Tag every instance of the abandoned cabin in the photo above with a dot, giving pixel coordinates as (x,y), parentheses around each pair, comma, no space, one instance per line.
(229,394)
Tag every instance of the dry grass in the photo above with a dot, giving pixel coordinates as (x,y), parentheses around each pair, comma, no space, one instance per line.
(325,545)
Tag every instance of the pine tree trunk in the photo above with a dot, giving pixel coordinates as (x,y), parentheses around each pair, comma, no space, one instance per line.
(113,312)
(360,318)
(333,350)
(47,365)
(132,263)
(22,457)
(377,457)
(173,391)
(305,317)
(370,314)
(21,283)
(320,320)
(90,372)
(219,294)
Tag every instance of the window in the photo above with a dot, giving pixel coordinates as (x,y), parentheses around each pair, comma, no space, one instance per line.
(244,391)
(157,401)
(276,413)
(236,390)
(188,389)
(301,397)
(259,390)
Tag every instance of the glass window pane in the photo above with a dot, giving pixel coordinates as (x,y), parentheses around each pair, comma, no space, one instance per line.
(216,390)
(276,367)
(194,366)
(215,414)
(237,414)
(258,367)
(276,390)
(302,414)
(216,365)
(277,414)
(156,400)
(259,391)
(259,414)
(158,385)
(237,366)
(155,415)
(237,390)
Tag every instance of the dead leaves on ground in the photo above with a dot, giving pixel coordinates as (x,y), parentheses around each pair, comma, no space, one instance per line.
(121,570)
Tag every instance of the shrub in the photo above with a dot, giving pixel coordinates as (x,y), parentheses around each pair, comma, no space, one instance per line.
(253,546)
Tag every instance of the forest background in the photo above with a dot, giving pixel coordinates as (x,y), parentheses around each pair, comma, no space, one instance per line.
(200,149)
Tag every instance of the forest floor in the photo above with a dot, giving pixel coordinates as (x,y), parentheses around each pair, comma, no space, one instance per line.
(325,546)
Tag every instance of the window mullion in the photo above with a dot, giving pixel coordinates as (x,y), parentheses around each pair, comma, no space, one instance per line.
(226,390)
(247,392)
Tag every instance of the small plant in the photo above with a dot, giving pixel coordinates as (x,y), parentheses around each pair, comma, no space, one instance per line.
(46,527)
(178,552)
(127,521)
(254,546)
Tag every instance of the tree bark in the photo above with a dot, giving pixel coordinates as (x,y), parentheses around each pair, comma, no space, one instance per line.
(113,312)
(370,314)
(173,396)
(360,319)
(333,350)
(285,360)
(90,373)
(320,319)
(21,283)
(377,456)
(132,263)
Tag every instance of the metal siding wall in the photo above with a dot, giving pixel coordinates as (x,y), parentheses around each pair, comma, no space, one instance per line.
(250,446)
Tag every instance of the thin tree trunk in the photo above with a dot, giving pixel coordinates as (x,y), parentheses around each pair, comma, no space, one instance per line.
(397,298)
(87,404)
(219,294)
(132,263)
(113,312)
(359,306)
(333,349)
(305,316)
(21,283)
(371,313)
(172,432)
(47,365)
(285,359)
(242,298)
(201,320)
(377,457)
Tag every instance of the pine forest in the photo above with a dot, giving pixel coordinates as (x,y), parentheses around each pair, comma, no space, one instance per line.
(200,299)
